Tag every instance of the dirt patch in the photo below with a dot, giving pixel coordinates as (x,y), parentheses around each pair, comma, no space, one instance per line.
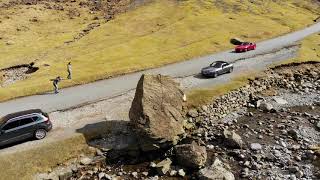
(13,74)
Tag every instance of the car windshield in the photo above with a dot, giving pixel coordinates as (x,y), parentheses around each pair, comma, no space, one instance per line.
(217,65)
(245,43)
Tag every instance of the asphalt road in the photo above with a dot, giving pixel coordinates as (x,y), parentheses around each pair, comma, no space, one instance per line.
(71,97)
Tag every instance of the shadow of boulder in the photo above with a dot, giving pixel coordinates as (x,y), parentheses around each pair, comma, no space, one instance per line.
(117,139)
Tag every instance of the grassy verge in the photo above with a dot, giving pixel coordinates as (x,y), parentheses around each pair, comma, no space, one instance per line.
(203,96)
(25,164)
(158,33)
(309,51)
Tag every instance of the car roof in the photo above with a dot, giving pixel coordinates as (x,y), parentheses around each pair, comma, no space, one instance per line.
(20,113)
(219,62)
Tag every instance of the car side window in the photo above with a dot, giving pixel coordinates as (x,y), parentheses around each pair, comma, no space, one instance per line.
(26,121)
(36,118)
(11,125)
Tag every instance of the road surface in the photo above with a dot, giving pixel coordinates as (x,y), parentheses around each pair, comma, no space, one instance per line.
(77,95)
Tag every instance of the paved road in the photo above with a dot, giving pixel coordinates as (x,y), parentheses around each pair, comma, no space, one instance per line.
(71,97)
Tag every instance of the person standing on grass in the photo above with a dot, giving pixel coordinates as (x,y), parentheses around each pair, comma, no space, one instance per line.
(69,70)
(55,84)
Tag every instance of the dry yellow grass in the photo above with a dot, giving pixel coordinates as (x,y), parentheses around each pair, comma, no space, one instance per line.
(309,51)
(158,33)
(202,96)
(25,164)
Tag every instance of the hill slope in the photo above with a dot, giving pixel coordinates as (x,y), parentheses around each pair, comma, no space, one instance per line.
(101,41)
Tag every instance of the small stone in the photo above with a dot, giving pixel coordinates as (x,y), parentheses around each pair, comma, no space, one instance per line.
(266,106)
(134,174)
(108,177)
(246,164)
(173,173)
(280,100)
(101,175)
(245,172)
(164,166)
(193,113)
(232,139)
(293,169)
(152,164)
(299,174)
(298,158)
(294,134)
(318,124)
(255,146)
(85,161)
(145,173)
(181,173)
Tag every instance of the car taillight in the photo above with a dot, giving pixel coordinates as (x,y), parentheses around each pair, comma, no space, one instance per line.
(47,120)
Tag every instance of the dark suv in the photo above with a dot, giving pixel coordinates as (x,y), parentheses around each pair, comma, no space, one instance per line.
(24,125)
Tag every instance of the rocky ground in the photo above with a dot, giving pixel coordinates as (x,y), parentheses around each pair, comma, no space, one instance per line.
(16,73)
(266,130)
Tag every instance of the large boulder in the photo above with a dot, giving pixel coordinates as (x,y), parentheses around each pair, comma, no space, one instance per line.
(191,155)
(217,171)
(156,112)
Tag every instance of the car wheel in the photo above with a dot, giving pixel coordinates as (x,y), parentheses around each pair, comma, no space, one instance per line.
(40,134)
(245,50)
(231,69)
(215,75)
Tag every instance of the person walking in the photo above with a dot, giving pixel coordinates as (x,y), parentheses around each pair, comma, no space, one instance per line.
(69,71)
(55,84)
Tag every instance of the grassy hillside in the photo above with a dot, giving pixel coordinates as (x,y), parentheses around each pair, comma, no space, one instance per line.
(157,33)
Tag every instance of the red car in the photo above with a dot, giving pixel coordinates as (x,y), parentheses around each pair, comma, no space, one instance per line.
(245,46)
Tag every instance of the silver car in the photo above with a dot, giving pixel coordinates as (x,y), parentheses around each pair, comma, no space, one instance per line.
(217,68)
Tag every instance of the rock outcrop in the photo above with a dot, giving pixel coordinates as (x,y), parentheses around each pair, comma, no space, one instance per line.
(191,155)
(156,112)
(236,41)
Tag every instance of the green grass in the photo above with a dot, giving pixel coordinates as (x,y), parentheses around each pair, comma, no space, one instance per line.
(158,33)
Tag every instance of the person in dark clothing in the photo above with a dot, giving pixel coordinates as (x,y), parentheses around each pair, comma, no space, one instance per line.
(69,71)
(55,84)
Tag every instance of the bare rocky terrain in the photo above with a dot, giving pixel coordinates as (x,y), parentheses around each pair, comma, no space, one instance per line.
(268,129)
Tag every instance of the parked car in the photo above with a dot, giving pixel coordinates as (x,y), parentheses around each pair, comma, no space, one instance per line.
(245,46)
(24,125)
(217,68)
